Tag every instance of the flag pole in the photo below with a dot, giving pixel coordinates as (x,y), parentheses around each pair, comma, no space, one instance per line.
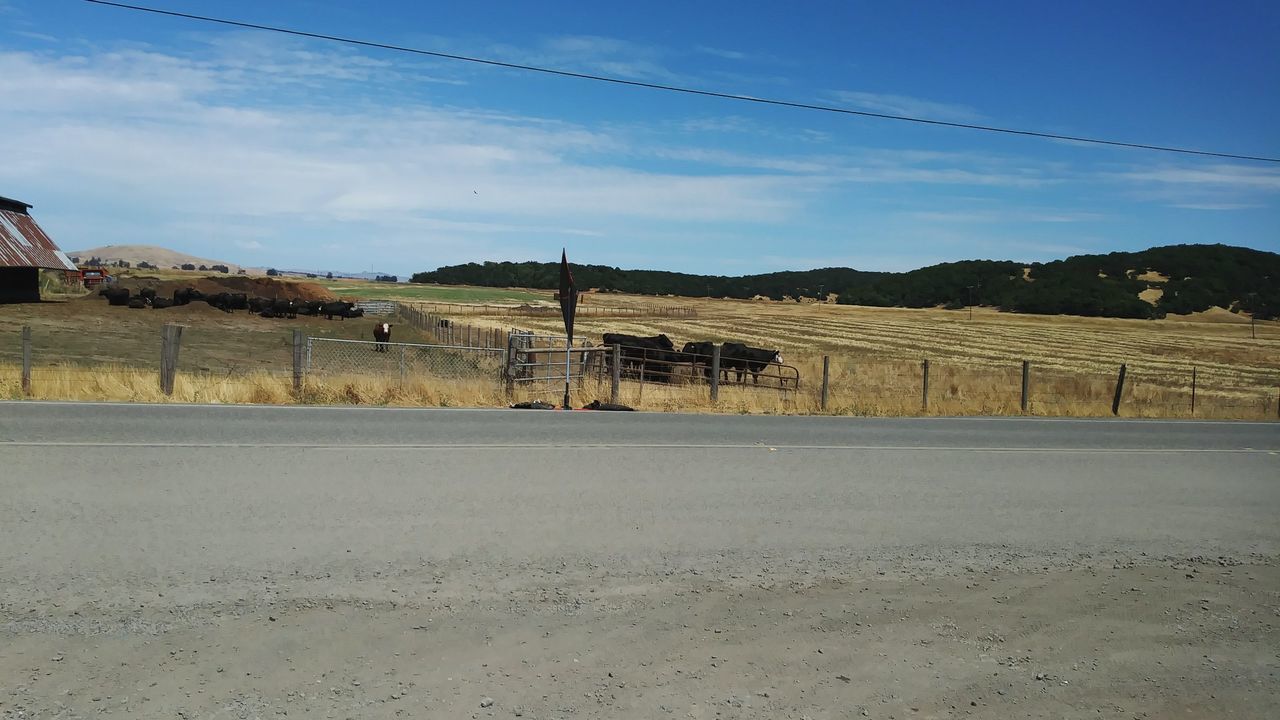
(568,353)
(568,307)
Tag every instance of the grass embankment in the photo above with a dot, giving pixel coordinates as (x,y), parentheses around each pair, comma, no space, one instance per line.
(881,389)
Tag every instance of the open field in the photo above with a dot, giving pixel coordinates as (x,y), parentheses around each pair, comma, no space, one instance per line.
(875,358)
(432,293)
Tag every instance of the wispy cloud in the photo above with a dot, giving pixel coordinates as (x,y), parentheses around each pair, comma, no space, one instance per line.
(1215,186)
(1217,206)
(1017,215)
(720,53)
(170,140)
(906,105)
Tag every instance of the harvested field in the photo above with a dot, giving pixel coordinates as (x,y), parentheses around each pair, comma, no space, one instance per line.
(875,355)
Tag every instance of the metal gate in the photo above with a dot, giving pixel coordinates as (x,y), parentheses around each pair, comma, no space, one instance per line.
(535,358)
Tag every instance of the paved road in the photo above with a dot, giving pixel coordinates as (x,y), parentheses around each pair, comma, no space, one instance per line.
(157,494)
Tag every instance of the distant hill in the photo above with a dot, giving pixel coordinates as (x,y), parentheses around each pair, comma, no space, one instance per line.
(1176,279)
(158,256)
(776,286)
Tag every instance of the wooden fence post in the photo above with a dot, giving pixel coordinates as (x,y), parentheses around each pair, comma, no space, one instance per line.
(299,342)
(170,342)
(715,374)
(1115,402)
(826,379)
(26,359)
(509,369)
(615,381)
(1026,385)
(1193,391)
(924,397)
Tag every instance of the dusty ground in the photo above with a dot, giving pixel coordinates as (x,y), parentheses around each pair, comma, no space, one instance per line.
(1151,639)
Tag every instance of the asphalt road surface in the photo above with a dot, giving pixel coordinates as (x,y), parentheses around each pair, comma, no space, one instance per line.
(186,523)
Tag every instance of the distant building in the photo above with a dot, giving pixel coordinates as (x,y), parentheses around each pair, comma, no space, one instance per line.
(25,249)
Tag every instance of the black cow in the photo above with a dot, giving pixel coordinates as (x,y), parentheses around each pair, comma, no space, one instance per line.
(147,294)
(285,308)
(382,336)
(311,307)
(137,302)
(116,295)
(161,303)
(227,302)
(653,355)
(258,304)
(186,295)
(699,353)
(744,359)
(341,309)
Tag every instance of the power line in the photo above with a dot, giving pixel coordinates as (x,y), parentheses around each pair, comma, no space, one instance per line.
(674,88)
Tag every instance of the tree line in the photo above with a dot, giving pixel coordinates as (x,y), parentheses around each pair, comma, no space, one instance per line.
(1198,277)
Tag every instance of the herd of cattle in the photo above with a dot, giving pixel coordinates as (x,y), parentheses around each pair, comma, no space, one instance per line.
(654,357)
(230,302)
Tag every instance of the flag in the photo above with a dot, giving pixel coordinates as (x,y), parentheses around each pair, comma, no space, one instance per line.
(568,296)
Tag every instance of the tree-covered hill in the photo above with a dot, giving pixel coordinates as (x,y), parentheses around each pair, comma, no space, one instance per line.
(810,283)
(1198,277)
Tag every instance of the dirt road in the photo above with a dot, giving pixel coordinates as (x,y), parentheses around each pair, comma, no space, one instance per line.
(206,562)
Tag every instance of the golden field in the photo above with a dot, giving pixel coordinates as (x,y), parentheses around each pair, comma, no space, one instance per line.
(86,350)
(975,364)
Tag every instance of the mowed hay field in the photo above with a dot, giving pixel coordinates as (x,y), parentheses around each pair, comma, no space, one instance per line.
(84,349)
(975,365)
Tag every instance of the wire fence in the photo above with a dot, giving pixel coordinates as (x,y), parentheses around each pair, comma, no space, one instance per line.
(401,362)
(270,365)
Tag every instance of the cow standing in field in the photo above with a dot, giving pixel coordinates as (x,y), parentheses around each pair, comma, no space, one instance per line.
(699,353)
(381,336)
(648,356)
(744,359)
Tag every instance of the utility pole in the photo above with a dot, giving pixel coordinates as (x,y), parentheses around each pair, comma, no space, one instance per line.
(970,301)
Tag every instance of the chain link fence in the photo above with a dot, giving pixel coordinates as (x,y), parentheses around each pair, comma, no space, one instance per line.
(402,362)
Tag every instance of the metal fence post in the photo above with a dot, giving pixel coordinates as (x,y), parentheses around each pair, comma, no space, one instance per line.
(1115,402)
(924,401)
(826,379)
(1193,391)
(616,380)
(170,342)
(402,350)
(298,342)
(715,373)
(26,359)
(1026,385)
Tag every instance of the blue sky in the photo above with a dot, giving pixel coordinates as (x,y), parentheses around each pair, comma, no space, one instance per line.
(263,149)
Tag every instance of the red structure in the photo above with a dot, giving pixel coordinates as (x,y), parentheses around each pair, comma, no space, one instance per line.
(25,249)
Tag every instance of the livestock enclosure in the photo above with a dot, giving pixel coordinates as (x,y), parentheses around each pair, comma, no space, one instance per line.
(838,360)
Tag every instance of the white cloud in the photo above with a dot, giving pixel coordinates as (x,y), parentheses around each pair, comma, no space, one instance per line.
(1217,206)
(1210,186)
(170,142)
(720,53)
(906,105)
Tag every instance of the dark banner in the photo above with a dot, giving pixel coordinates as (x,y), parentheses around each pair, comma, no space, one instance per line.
(568,296)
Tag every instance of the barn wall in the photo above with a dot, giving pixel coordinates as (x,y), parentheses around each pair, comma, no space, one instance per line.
(21,284)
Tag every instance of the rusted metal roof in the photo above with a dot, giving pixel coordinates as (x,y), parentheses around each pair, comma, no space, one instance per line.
(23,243)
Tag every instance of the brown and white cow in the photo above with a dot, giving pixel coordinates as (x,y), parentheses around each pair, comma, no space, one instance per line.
(382,336)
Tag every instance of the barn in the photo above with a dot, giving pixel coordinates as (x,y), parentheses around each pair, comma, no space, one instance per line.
(25,250)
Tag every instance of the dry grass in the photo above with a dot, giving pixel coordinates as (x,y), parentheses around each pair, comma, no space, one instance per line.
(867,389)
(83,350)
